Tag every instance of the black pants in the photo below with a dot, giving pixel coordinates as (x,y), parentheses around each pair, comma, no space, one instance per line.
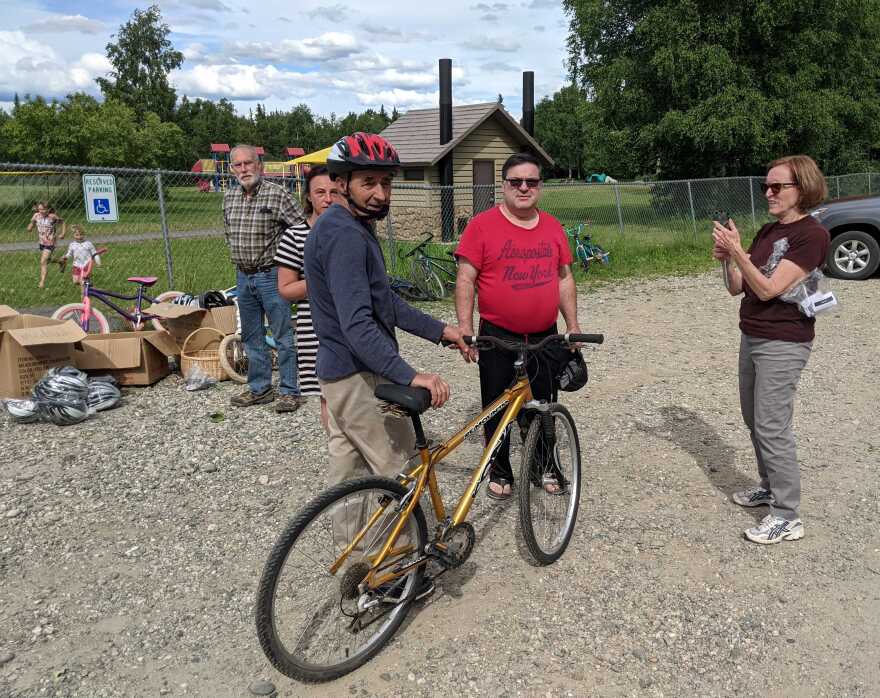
(497,374)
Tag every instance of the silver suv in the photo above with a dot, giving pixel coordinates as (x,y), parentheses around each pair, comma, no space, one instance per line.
(854,225)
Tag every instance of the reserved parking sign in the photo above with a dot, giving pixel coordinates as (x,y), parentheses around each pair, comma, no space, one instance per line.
(100,194)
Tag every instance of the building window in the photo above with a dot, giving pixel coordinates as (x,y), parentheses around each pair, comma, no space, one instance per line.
(414,174)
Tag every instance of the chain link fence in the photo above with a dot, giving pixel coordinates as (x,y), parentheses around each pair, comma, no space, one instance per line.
(170,224)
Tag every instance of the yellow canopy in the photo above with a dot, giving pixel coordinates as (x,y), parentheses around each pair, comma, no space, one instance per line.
(319,157)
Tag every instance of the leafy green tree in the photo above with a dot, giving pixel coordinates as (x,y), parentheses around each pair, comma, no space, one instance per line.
(685,88)
(560,127)
(142,57)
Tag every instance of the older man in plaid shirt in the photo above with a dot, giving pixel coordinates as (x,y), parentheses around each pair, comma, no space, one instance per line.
(255,214)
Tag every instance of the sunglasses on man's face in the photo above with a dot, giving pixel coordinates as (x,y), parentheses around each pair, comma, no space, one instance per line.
(517,182)
(777,187)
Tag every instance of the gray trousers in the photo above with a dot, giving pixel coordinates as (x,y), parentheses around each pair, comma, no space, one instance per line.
(769,371)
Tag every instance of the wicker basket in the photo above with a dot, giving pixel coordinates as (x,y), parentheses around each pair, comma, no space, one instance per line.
(206,356)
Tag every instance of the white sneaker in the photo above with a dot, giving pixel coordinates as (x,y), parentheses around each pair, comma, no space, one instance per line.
(753,497)
(775,529)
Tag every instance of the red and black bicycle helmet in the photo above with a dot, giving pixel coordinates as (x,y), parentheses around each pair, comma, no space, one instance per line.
(361,151)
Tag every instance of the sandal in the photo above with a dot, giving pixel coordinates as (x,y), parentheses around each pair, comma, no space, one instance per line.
(505,485)
(550,484)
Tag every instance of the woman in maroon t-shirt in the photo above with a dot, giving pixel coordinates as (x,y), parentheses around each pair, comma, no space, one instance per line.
(776,337)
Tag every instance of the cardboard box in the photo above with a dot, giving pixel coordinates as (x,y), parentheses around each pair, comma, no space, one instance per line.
(29,346)
(183,320)
(133,358)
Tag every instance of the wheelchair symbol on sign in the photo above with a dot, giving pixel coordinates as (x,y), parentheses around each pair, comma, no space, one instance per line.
(102,206)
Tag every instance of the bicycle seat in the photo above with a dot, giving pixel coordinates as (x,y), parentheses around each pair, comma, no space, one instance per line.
(412,400)
(144,280)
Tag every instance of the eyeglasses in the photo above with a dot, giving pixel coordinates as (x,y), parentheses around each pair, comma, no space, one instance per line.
(517,182)
(777,187)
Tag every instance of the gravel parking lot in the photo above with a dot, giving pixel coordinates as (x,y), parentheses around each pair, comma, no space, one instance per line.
(131,546)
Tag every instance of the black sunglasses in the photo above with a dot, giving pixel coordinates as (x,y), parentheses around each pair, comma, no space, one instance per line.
(777,187)
(517,182)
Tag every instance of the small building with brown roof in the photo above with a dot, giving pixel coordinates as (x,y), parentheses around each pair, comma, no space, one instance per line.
(483,137)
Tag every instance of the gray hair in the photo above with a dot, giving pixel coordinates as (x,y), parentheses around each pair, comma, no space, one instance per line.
(244,146)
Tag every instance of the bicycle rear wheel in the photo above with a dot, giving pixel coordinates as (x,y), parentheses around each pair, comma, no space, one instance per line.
(551,453)
(233,358)
(317,626)
(74,311)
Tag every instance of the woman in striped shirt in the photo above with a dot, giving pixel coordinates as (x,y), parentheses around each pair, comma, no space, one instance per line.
(319,192)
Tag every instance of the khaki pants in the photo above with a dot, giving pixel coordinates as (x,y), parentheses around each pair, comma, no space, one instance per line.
(363,440)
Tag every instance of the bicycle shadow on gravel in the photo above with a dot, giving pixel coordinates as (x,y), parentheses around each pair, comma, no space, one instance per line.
(716,458)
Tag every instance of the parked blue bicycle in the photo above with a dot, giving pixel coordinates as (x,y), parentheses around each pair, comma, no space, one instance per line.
(586,252)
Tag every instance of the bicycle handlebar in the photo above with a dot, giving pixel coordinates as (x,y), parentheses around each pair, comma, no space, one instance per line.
(420,246)
(568,338)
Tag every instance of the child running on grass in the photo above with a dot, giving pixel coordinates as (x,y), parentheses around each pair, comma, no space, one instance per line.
(46,221)
(82,251)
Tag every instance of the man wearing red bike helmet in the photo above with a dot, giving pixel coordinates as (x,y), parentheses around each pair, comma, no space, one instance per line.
(355,314)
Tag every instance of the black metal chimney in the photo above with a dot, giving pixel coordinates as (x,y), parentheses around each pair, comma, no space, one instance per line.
(447,202)
(528,106)
(445,101)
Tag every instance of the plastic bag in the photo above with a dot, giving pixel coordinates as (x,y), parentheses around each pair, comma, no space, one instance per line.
(197,379)
(811,295)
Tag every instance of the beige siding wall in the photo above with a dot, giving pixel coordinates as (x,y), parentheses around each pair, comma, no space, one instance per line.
(488,142)
(417,212)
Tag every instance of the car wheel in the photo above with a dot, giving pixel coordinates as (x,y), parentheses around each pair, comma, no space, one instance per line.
(853,255)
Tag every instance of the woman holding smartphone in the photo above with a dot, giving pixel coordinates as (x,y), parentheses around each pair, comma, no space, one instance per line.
(776,337)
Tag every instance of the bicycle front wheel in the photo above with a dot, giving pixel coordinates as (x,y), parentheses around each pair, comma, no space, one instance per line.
(550,483)
(314,625)
(97,323)
(233,358)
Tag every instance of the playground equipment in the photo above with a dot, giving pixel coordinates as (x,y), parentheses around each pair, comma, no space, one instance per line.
(214,169)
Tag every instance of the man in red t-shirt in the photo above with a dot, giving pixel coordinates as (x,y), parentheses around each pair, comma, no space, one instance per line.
(517,259)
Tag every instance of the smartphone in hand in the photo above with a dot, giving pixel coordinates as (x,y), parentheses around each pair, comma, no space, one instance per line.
(721,217)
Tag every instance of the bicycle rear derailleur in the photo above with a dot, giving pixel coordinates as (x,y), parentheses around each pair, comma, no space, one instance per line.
(453,545)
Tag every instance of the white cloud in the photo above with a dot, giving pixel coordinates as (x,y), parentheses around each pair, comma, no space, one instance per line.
(384,34)
(402,99)
(203,5)
(66,23)
(492,43)
(328,11)
(199,53)
(320,48)
(30,68)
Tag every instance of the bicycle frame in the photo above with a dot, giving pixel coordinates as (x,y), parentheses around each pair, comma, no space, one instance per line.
(512,401)
(104,296)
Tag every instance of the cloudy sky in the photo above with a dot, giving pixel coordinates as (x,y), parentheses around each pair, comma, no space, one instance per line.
(334,55)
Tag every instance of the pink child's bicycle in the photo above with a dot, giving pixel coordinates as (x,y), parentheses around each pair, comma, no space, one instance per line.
(93,320)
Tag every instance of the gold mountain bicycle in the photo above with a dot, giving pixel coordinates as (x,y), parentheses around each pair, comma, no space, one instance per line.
(343,574)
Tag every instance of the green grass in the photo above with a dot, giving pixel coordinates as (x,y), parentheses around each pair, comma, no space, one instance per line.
(186,209)
(200,264)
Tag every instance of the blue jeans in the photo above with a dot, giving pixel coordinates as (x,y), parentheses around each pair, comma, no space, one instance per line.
(258,296)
